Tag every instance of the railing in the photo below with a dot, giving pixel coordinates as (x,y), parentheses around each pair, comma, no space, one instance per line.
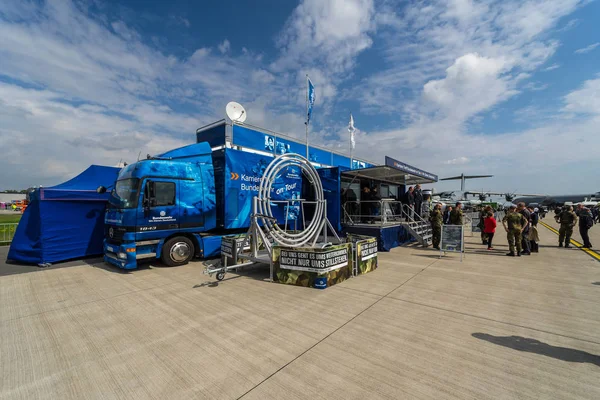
(410,215)
(374,212)
(7,232)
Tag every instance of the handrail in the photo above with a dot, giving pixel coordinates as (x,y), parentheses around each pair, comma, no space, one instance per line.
(378,212)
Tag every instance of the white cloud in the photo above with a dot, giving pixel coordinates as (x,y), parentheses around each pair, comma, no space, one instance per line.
(569,25)
(585,99)
(332,31)
(427,37)
(101,93)
(458,161)
(472,84)
(552,67)
(225,46)
(535,86)
(587,49)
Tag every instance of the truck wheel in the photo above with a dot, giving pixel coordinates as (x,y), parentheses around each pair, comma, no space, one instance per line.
(177,251)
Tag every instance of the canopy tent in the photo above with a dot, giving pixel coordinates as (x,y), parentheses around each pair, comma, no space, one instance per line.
(64,221)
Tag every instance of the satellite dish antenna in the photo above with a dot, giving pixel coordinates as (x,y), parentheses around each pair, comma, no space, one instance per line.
(235,112)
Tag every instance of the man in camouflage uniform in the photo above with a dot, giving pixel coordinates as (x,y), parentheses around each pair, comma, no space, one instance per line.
(456,216)
(516,223)
(436,219)
(567,219)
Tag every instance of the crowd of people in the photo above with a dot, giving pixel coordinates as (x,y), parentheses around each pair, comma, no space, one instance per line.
(520,224)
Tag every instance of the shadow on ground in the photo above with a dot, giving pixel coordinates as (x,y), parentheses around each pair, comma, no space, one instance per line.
(530,345)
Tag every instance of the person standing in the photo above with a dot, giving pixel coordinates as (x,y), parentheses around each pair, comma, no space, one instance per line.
(447,213)
(516,223)
(436,219)
(567,220)
(525,245)
(586,221)
(410,200)
(489,227)
(481,225)
(533,232)
(418,193)
(456,216)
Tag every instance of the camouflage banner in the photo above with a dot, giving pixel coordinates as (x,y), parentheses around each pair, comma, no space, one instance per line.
(365,253)
(300,267)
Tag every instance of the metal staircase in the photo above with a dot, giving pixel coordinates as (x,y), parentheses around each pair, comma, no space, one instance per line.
(418,227)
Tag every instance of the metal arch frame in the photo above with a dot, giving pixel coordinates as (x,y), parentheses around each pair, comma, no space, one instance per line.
(264,228)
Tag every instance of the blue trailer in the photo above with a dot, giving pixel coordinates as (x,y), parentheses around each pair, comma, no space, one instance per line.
(179,204)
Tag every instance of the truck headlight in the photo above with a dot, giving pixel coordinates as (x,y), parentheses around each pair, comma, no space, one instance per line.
(122,255)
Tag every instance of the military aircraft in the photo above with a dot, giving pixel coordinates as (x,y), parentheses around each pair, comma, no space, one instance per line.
(451,198)
(560,199)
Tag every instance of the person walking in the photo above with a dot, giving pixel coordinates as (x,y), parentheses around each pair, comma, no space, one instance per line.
(447,213)
(516,223)
(456,216)
(567,220)
(436,219)
(489,227)
(418,194)
(586,221)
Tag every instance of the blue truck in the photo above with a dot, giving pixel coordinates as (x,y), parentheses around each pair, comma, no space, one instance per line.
(178,205)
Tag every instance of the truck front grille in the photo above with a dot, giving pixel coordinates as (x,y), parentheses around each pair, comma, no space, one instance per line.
(114,234)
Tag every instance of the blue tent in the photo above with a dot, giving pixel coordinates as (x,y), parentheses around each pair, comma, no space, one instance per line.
(64,221)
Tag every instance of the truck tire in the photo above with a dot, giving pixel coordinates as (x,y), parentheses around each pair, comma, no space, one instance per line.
(177,251)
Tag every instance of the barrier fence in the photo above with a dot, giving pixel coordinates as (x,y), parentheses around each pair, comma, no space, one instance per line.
(7,232)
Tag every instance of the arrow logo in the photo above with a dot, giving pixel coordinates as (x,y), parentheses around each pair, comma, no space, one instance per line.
(234,176)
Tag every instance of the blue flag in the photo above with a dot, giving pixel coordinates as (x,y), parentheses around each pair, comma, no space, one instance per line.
(310,100)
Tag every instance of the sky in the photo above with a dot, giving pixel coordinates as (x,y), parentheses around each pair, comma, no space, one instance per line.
(509,88)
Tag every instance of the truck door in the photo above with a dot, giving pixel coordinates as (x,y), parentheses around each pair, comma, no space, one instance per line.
(192,204)
(158,211)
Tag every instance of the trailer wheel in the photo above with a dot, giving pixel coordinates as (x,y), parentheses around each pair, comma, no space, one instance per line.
(177,251)
(220,276)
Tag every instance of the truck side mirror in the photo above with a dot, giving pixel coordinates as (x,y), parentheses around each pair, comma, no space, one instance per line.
(101,189)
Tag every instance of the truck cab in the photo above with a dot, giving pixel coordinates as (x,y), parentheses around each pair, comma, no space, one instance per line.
(160,208)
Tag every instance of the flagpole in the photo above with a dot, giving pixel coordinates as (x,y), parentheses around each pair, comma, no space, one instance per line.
(306,123)
(351,147)
(351,130)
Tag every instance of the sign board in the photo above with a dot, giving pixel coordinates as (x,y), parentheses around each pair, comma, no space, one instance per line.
(300,266)
(364,253)
(390,162)
(313,262)
(452,239)
(231,246)
(270,142)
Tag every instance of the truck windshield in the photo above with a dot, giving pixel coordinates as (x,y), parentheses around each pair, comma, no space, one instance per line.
(126,192)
